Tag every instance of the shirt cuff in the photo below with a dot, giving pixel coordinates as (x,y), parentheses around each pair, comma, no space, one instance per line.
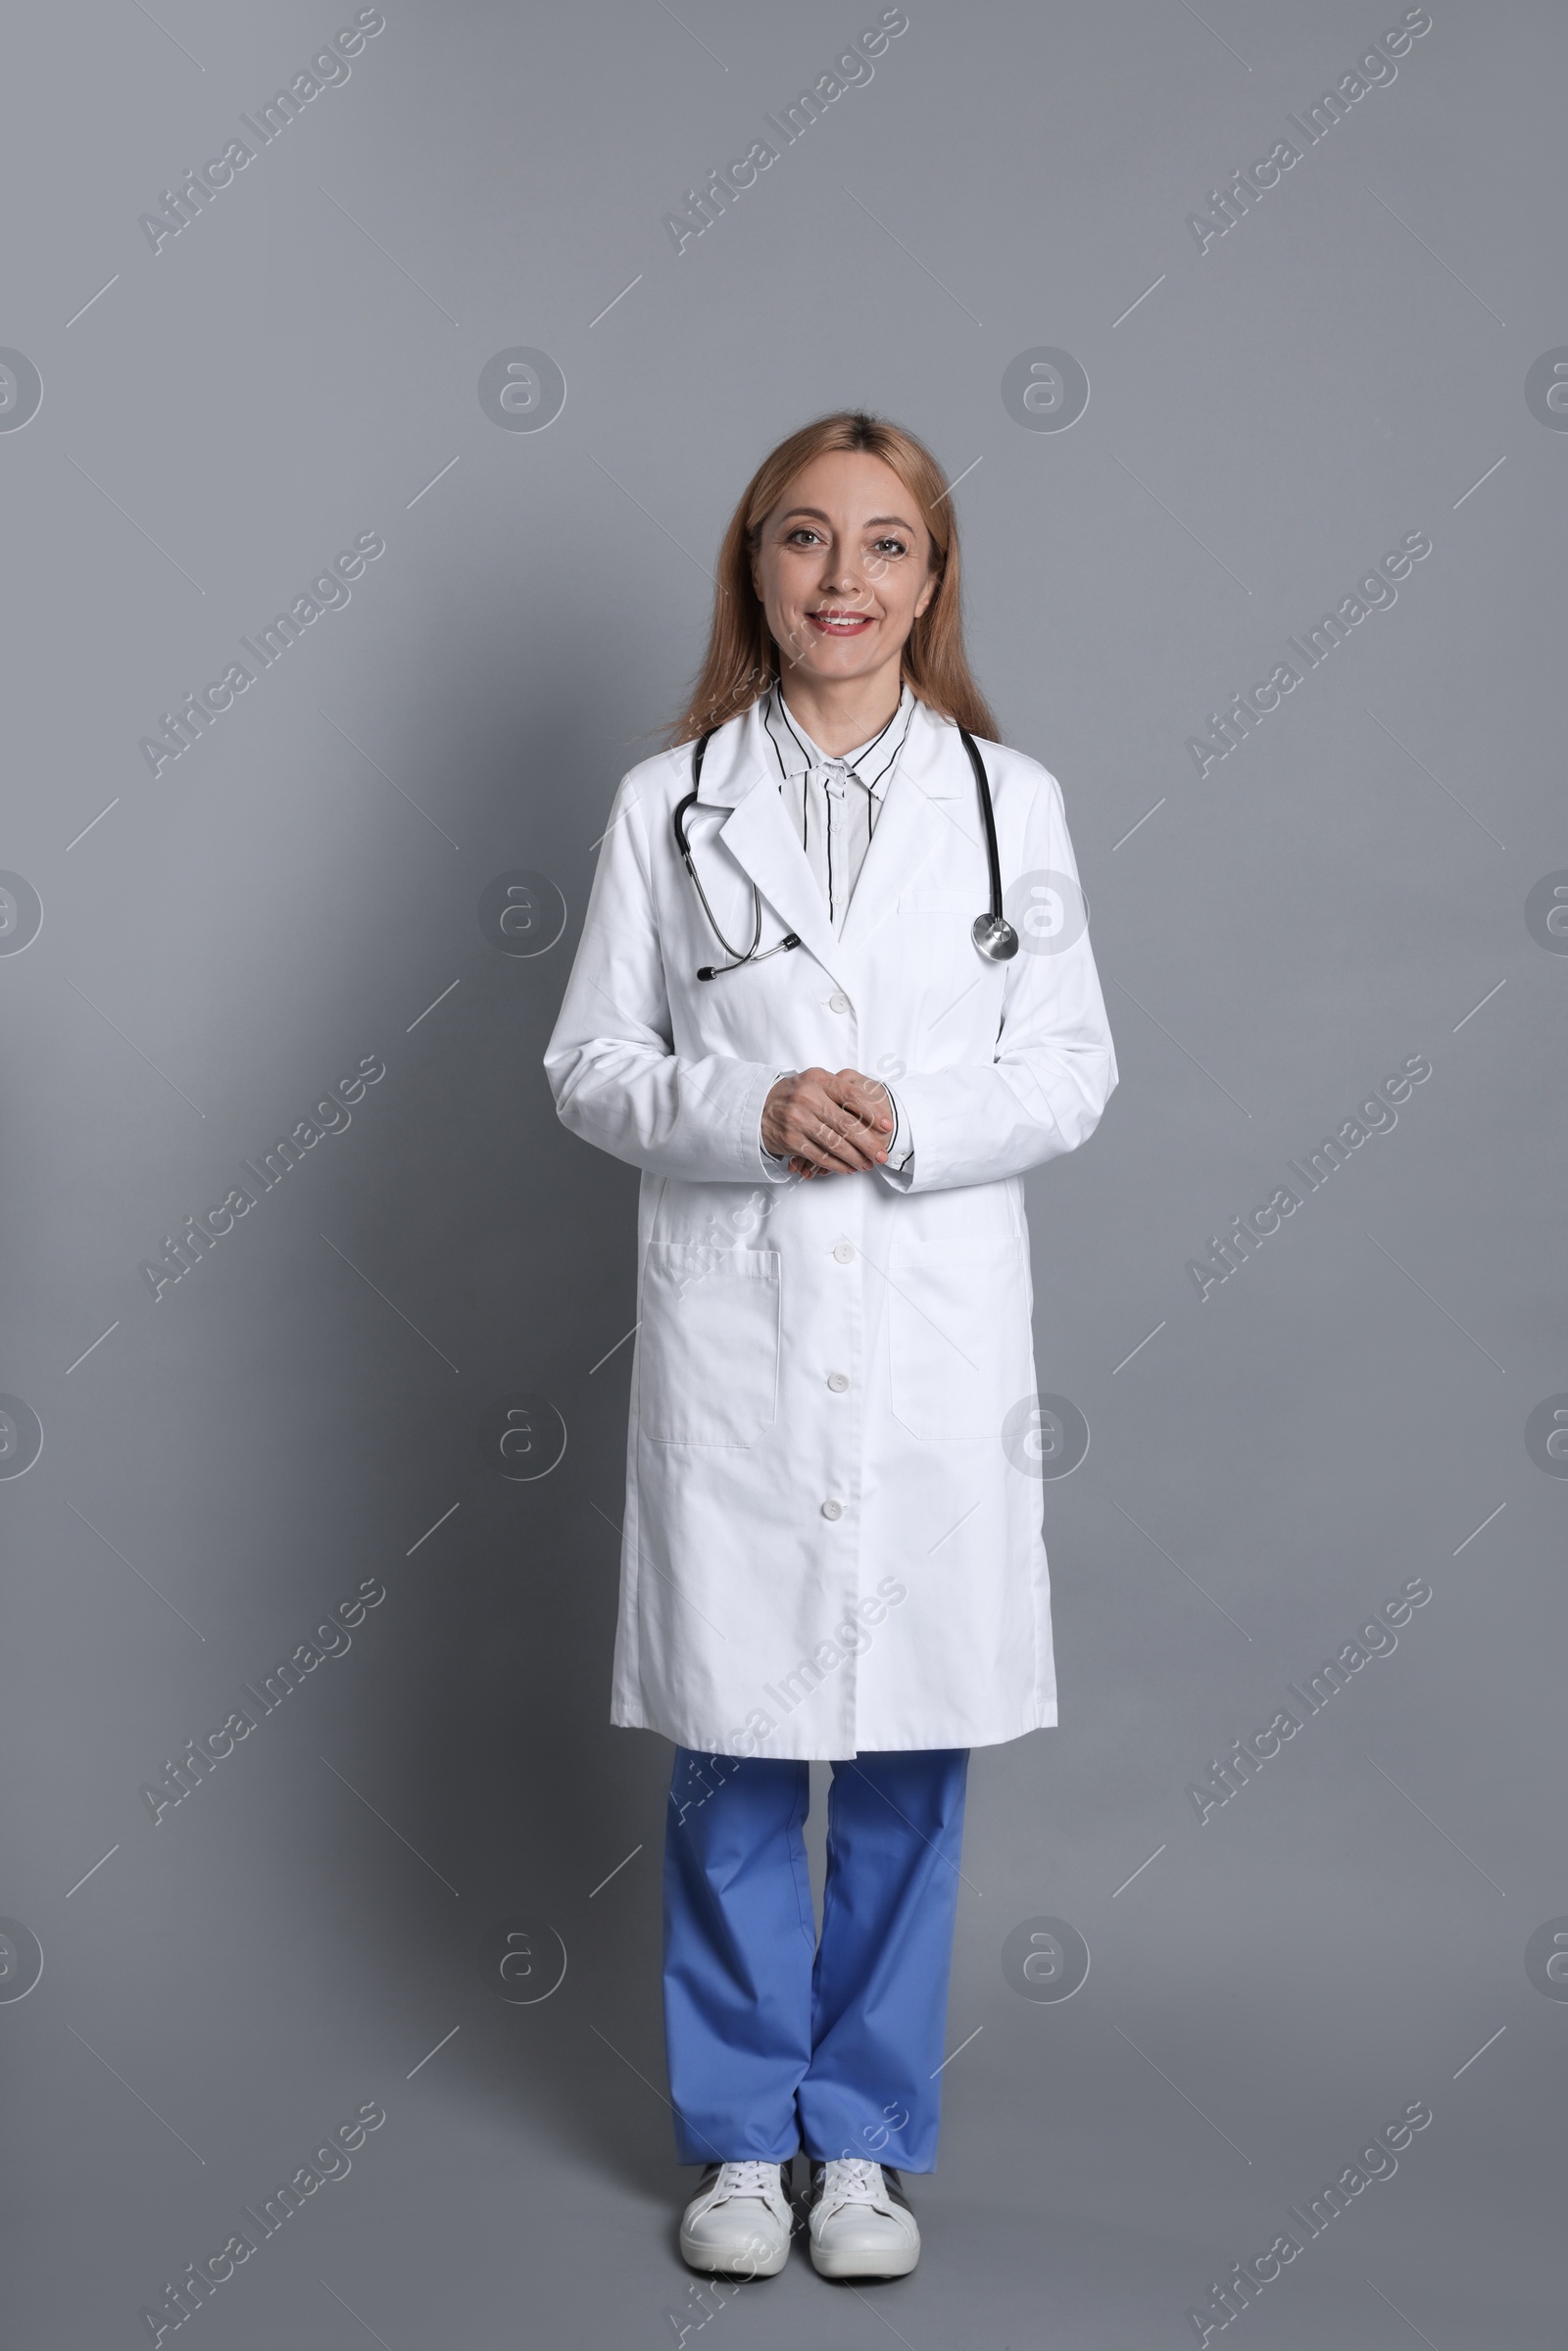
(899,1160)
(776,1169)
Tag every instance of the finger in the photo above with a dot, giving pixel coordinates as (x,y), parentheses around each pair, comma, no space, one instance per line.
(854,1113)
(831,1149)
(833,1154)
(865,1098)
(781,1103)
(872,1103)
(795,1120)
(853,1131)
(821,1122)
(857,1136)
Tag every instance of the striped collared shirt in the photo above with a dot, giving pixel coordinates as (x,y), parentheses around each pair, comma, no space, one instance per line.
(833,804)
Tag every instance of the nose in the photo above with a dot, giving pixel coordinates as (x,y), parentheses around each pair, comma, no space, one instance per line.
(842,577)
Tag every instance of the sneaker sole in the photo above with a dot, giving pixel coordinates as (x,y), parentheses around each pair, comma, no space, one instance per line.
(717,2264)
(855,2264)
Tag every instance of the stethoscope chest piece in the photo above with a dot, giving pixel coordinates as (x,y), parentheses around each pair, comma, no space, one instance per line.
(995,937)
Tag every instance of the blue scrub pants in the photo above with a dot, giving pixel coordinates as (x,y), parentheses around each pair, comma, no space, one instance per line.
(775,2042)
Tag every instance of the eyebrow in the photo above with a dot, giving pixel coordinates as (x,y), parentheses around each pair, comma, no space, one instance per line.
(873,521)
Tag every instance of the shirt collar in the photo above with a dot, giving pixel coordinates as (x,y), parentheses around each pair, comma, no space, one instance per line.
(797,755)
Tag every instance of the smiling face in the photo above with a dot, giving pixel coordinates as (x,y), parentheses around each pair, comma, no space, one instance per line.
(843,568)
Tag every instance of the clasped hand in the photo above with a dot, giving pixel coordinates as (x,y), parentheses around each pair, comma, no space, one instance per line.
(828,1124)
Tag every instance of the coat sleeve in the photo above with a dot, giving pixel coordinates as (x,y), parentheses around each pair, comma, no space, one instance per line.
(1054,1067)
(617,1079)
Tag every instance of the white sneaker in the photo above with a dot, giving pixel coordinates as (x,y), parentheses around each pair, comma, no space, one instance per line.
(860,2223)
(739,2223)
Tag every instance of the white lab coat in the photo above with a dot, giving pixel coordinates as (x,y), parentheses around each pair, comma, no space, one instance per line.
(828,1545)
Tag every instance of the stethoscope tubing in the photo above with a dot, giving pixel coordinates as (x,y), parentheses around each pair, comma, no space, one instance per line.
(712,971)
(994,936)
(989,820)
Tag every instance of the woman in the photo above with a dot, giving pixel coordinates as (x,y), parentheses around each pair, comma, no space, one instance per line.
(833,1077)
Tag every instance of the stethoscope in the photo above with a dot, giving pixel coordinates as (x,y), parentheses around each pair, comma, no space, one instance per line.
(992,932)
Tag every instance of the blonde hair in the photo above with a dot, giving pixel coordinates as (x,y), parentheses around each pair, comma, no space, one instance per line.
(743,661)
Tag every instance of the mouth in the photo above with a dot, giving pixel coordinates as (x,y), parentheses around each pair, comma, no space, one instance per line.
(833,621)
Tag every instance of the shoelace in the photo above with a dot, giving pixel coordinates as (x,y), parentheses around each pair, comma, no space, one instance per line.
(854,2180)
(748,2178)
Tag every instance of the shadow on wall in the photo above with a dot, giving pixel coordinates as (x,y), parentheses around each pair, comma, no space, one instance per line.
(484,1739)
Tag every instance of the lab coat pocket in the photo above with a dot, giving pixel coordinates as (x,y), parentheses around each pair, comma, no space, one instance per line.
(959,1349)
(708,1343)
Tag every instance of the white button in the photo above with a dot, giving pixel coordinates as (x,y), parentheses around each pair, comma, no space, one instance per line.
(832,1509)
(845,1253)
(838,1002)
(838,1381)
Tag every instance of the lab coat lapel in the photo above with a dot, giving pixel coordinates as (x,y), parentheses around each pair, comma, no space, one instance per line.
(741,772)
(923,822)
(760,836)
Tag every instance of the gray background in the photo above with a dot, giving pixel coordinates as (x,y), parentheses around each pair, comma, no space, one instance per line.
(300,1410)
